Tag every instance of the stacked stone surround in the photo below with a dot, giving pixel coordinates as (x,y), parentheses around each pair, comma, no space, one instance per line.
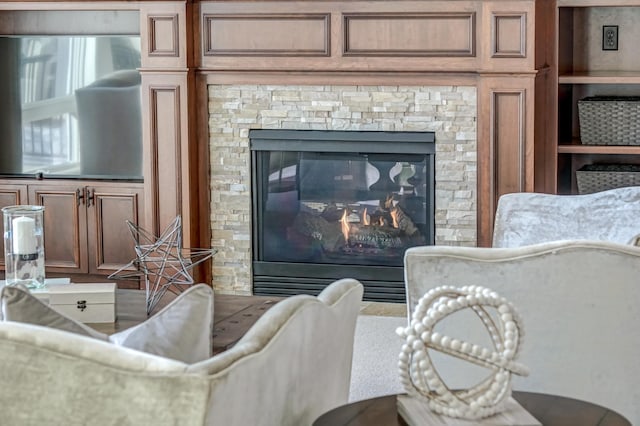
(449,111)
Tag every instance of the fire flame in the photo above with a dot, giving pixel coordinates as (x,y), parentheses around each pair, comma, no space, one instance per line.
(394,217)
(345,226)
(365,221)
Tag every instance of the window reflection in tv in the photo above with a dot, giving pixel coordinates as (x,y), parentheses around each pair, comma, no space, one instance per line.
(71,106)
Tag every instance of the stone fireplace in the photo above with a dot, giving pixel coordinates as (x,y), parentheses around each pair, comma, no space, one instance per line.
(450,112)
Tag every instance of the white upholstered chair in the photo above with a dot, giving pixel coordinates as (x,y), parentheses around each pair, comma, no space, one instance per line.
(525,218)
(579,302)
(291,366)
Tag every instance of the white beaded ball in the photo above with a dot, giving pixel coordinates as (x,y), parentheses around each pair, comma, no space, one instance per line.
(417,373)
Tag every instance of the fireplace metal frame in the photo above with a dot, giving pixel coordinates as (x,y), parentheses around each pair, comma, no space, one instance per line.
(382,283)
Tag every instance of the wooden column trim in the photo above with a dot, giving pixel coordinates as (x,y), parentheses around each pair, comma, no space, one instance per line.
(164,148)
(503,131)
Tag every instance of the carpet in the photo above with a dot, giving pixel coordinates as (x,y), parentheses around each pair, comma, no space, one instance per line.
(375,357)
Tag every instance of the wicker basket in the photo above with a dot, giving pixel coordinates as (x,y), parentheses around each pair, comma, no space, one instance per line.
(609,120)
(600,177)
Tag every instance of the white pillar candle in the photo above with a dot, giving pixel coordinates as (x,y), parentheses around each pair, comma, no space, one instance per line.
(24,235)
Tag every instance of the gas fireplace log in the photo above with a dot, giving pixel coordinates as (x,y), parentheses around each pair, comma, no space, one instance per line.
(404,222)
(374,236)
(332,213)
(329,234)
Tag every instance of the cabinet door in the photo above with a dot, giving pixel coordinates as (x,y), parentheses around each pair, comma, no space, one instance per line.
(65,237)
(10,195)
(110,243)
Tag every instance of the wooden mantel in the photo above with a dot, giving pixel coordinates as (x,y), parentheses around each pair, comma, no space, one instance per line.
(502,47)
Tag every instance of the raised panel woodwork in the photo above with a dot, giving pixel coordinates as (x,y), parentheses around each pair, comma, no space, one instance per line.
(505,144)
(57,18)
(508,142)
(10,195)
(367,36)
(65,240)
(166,172)
(509,35)
(163,35)
(270,35)
(409,34)
(111,245)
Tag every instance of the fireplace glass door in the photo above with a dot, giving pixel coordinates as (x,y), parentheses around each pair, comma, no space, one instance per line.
(344,202)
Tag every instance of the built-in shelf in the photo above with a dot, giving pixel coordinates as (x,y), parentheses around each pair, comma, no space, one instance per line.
(577,148)
(600,77)
(585,70)
(596,3)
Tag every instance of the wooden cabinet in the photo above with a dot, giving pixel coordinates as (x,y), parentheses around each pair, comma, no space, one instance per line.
(175,168)
(585,69)
(10,195)
(84,222)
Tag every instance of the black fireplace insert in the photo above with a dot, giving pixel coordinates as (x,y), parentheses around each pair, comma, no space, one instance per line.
(337,204)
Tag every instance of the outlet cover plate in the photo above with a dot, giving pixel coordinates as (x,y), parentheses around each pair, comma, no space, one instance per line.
(609,37)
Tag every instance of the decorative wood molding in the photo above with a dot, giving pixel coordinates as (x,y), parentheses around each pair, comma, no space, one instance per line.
(165,155)
(305,34)
(63,199)
(508,142)
(108,206)
(341,78)
(410,34)
(12,195)
(163,35)
(505,143)
(509,35)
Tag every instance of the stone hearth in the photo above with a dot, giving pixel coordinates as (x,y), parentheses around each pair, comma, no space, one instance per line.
(449,111)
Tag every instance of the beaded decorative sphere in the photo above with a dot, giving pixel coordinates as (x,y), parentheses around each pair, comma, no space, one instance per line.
(417,372)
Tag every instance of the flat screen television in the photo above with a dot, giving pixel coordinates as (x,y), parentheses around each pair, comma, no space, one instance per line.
(71,106)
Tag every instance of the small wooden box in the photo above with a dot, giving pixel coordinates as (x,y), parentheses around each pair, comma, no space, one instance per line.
(88,303)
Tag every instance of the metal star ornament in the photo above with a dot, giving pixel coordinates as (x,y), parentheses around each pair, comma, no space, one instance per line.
(161,261)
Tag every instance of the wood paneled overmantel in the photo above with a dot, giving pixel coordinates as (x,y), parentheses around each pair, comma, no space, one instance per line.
(398,36)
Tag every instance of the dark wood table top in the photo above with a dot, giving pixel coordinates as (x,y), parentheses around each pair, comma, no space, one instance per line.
(550,410)
(232,315)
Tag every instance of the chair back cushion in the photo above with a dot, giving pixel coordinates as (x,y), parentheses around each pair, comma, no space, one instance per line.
(579,304)
(182,330)
(525,218)
(293,365)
